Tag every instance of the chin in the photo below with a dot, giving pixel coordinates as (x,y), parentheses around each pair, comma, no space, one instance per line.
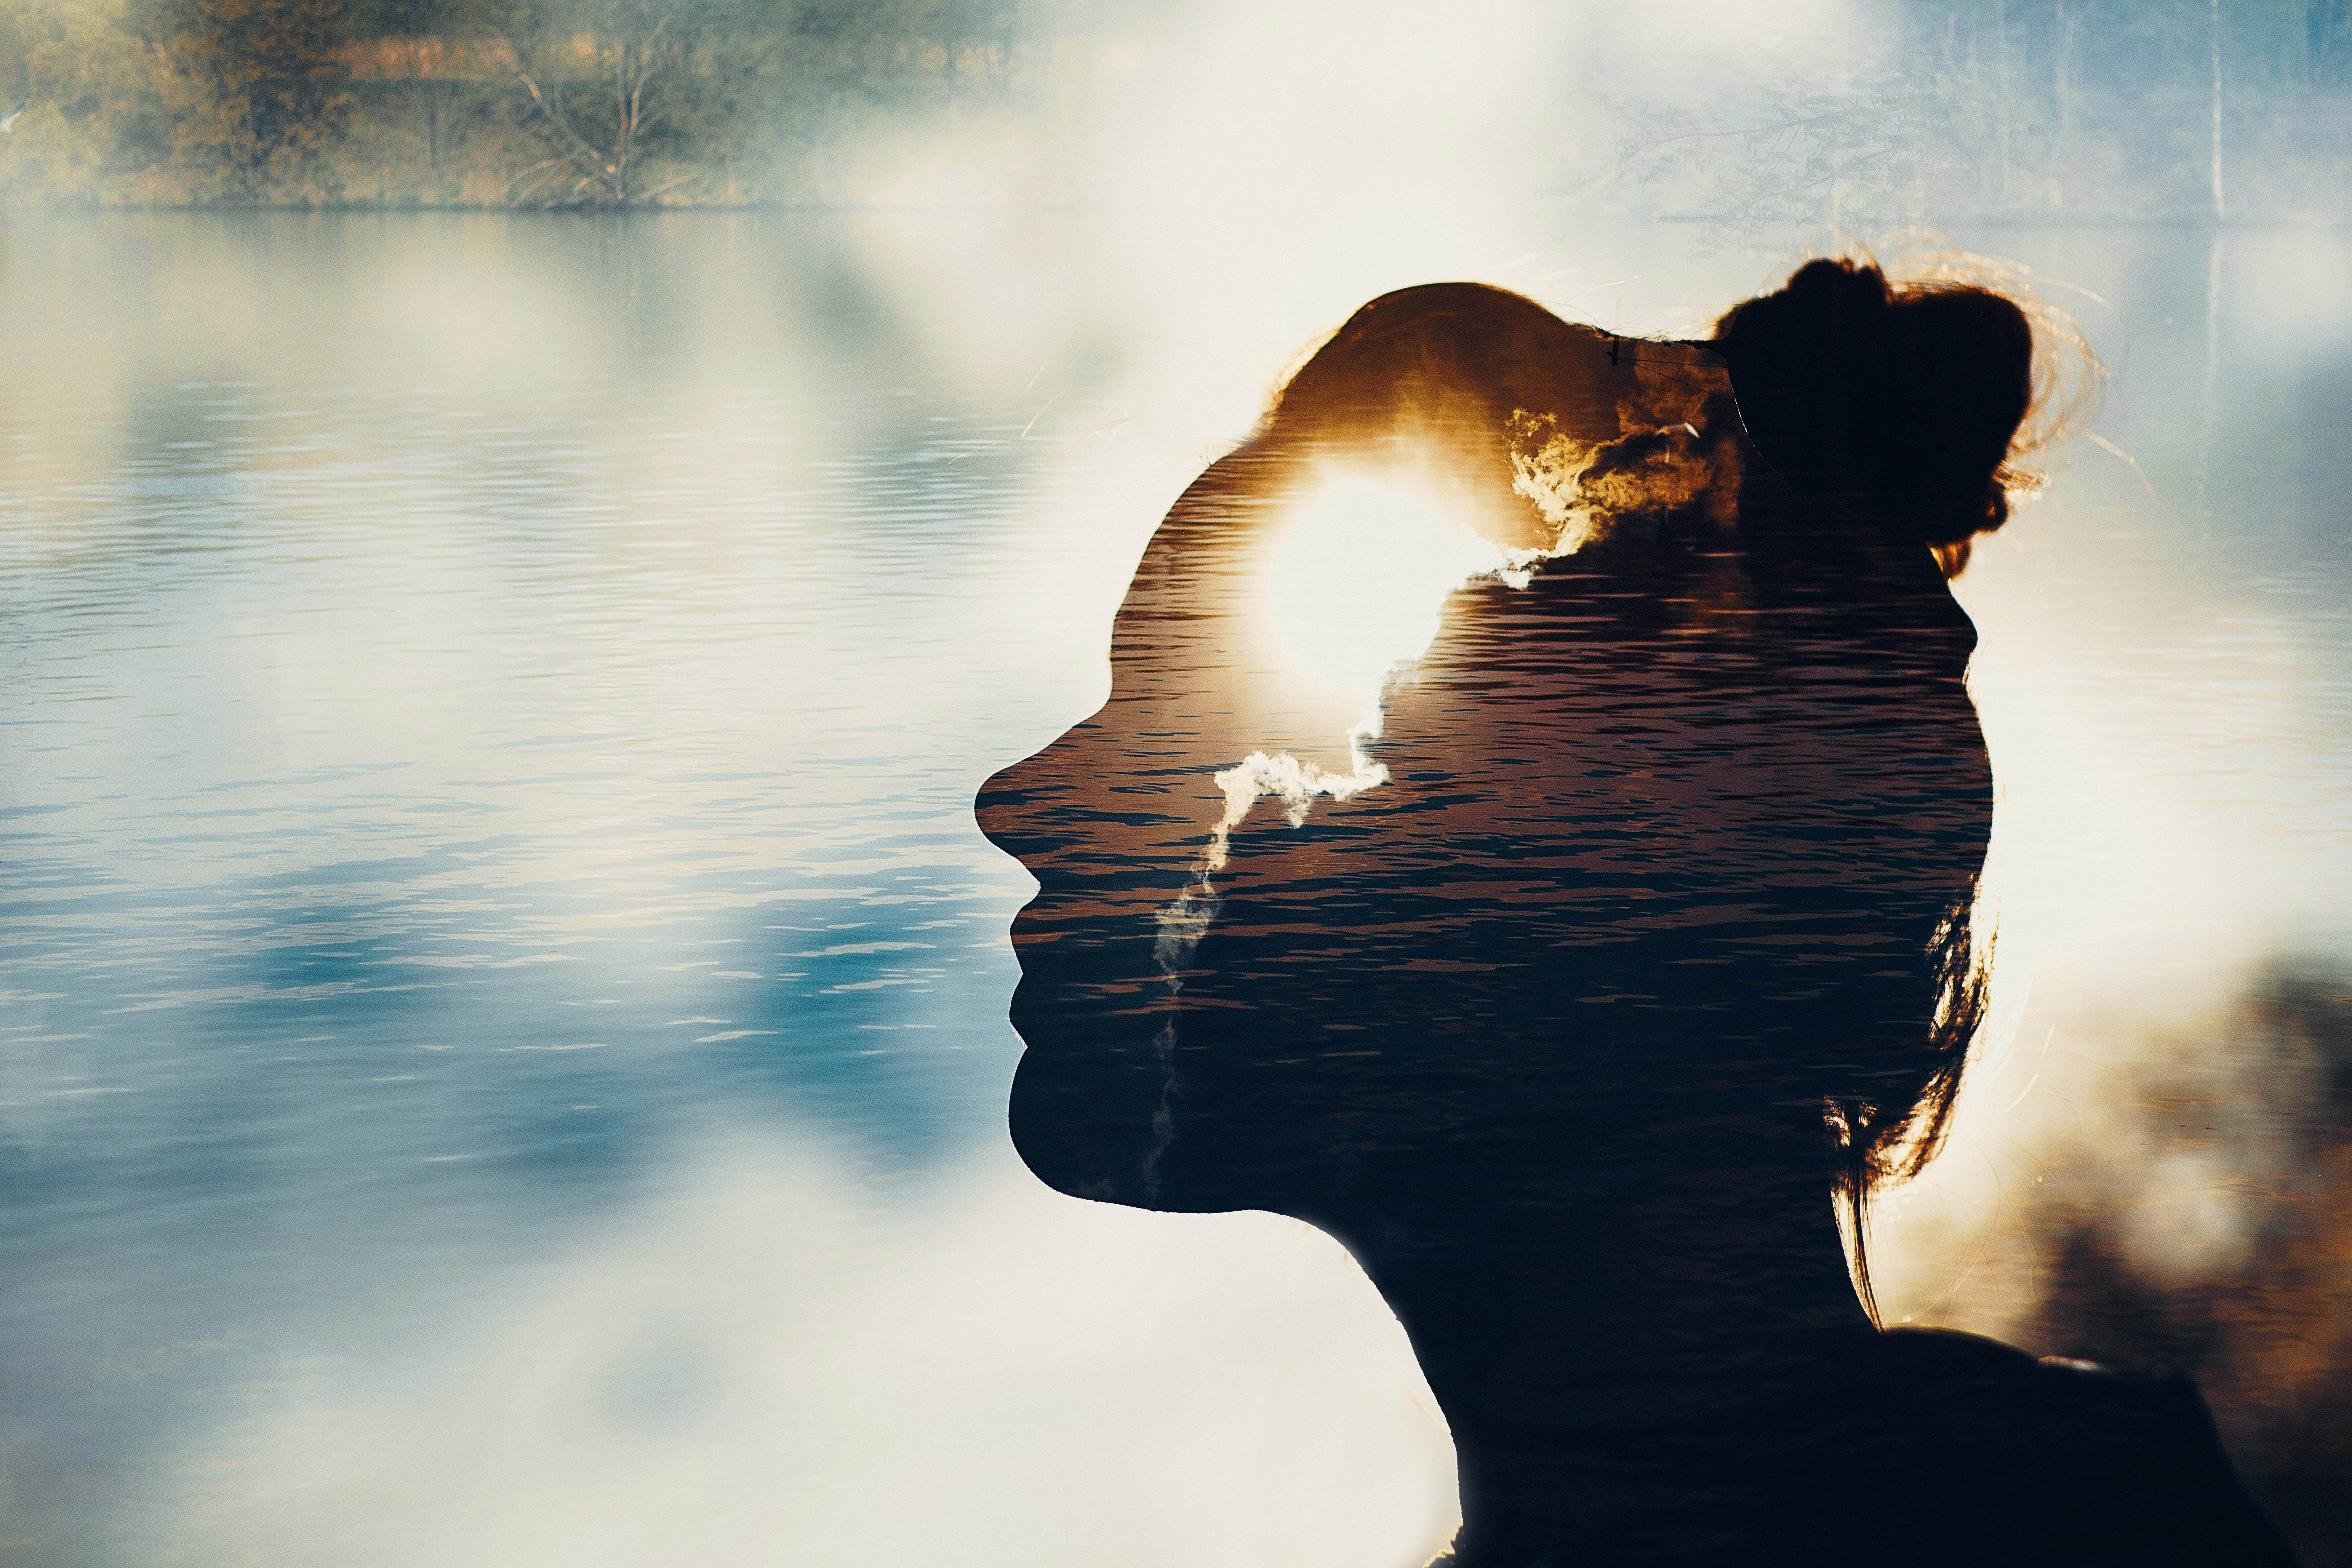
(1089,1104)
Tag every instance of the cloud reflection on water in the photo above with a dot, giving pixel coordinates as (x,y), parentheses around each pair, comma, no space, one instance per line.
(761,1363)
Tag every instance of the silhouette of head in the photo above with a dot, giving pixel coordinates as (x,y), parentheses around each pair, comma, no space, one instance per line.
(1653,681)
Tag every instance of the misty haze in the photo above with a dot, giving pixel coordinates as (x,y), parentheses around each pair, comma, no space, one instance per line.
(525,524)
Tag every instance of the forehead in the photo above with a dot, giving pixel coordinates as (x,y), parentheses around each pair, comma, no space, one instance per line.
(1471,407)
(1461,355)
(1399,466)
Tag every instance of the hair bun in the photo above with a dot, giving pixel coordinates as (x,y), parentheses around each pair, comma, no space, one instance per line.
(1905,399)
(1839,296)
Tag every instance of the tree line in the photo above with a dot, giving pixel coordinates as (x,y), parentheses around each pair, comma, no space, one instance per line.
(2150,109)
(2089,108)
(482,102)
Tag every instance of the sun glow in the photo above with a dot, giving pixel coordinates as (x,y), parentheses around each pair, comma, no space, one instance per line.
(1356,590)
(1359,581)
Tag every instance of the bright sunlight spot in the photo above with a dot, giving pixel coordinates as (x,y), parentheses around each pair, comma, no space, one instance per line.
(1358,580)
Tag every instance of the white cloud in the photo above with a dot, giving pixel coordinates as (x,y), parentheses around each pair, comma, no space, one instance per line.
(760,1367)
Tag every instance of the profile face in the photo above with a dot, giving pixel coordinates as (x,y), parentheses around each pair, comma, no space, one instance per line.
(1267,904)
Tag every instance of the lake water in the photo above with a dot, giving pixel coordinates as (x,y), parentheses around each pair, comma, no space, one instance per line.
(503,1056)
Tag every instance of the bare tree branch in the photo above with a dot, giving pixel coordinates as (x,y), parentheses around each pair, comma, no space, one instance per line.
(629,61)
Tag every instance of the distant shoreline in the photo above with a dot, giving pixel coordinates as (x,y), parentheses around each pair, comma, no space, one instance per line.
(2186,222)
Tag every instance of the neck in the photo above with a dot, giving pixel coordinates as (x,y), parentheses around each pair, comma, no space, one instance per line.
(1561,1327)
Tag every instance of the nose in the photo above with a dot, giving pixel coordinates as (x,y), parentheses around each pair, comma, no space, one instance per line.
(1014,804)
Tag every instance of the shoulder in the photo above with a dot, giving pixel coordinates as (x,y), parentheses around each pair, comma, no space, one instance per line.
(2094,1466)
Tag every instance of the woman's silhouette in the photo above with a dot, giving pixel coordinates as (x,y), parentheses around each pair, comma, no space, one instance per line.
(1570,993)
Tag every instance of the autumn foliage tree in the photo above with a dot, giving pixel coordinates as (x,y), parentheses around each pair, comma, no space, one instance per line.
(262,88)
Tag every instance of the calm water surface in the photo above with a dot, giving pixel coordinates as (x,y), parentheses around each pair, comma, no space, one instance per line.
(504,998)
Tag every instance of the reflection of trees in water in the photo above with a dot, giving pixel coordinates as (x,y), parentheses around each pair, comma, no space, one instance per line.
(2260,1110)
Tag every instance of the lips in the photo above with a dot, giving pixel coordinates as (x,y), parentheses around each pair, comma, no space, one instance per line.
(1078,965)
(1091,1098)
